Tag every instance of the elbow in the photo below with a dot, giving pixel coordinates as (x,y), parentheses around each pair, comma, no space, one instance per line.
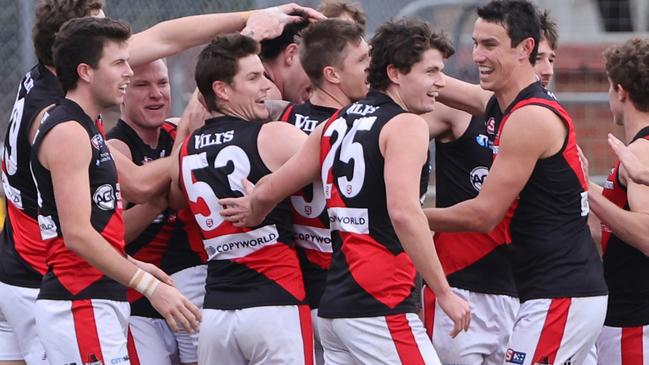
(484,219)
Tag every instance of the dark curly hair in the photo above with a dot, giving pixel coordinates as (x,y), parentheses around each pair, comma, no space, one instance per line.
(82,40)
(219,61)
(627,64)
(50,16)
(402,44)
(323,44)
(518,17)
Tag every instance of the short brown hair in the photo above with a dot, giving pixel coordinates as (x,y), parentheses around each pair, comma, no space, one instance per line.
(337,8)
(402,44)
(50,16)
(82,40)
(548,29)
(323,44)
(627,64)
(219,61)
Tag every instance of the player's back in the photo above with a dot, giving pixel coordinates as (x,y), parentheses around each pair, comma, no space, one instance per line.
(247,267)
(370,275)
(22,261)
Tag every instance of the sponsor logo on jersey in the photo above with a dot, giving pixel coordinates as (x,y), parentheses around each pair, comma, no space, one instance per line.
(491,125)
(47,227)
(97,141)
(362,109)
(482,140)
(203,140)
(104,197)
(514,357)
(237,245)
(354,220)
(477,177)
(305,123)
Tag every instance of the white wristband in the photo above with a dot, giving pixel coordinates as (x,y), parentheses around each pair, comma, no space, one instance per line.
(143,282)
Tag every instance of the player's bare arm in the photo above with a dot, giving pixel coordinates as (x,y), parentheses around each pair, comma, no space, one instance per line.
(462,95)
(404,146)
(278,142)
(71,183)
(172,36)
(520,148)
(446,123)
(300,170)
(631,226)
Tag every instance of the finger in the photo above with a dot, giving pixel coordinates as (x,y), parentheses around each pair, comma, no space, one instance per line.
(184,321)
(247,186)
(314,15)
(457,327)
(195,310)
(171,322)
(191,318)
(228,201)
(468,321)
(290,19)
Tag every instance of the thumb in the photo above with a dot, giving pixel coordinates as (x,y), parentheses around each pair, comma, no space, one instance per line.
(247,186)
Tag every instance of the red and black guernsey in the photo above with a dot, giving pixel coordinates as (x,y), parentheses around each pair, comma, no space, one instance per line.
(553,254)
(22,252)
(370,275)
(625,267)
(247,267)
(308,209)
(165,242)
(472,261)
(70,277)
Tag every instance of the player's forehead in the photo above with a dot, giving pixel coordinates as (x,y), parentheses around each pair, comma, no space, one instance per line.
(152,71)
(431,60)
(249,64)
(115,50)
(484,30)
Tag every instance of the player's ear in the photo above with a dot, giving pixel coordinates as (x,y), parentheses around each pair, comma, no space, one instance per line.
(526,47)
(393,74)
(291,54)
(221,90)
(85,72)
(330,74)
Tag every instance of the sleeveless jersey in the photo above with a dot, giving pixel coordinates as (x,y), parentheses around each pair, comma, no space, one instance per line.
(625,267)
(69,277)
(553,253)
(472,261)
(370,275)
(247,267)
(22,252)
(165,242)
(310,219)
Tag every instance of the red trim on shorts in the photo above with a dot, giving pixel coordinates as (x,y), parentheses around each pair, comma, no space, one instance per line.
(85,329)
(631,346)
(404,339)
(134,358)
(553,329)
(429,310)
(306,327)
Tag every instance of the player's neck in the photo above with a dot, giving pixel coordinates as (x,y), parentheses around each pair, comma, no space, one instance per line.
(149,136)
(271,72)
(89,105)
(331,98)
(517,81)
(634,121)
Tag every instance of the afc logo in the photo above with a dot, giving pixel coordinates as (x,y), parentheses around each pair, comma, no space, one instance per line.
(477,177)
(104,197)
(97,141)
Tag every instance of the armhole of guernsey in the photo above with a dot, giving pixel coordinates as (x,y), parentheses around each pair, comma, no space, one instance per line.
(287,113)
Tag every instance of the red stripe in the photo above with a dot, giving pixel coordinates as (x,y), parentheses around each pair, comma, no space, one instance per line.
(552,332)
(306,328)
(287,113)
(404,339)
(132,350)
(631,346)
(429,310)
(85,329)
